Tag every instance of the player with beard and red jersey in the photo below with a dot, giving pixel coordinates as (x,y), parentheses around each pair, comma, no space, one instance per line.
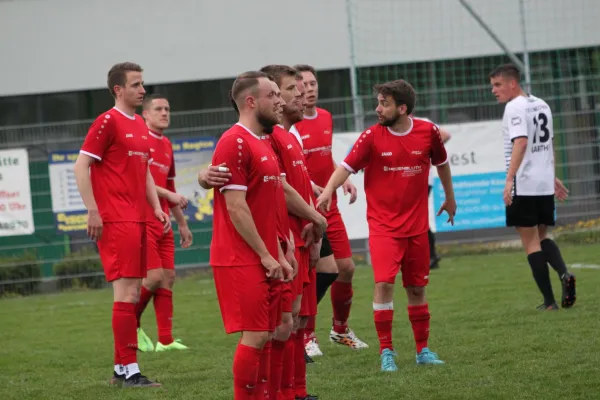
(115,183)
(248,279)
(397,153)
(316,131)
(304,218)
(158,284)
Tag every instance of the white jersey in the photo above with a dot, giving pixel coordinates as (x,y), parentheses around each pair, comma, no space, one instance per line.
(530,117)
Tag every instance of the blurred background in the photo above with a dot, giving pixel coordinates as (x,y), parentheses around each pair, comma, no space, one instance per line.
(55,55)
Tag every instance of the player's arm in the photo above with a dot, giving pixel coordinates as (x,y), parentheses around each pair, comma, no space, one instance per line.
(152,198)
(358,158)
(300,208)
(439,158)
(517,131)
(242,220)
(348,187)
(84,185)
(98,139)
(185,234)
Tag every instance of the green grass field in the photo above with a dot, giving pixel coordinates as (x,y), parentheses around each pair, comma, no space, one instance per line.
(484,325)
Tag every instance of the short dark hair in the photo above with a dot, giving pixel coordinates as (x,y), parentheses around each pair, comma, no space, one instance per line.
(401,91)
(117,76)
(244,82)
(278,72)
(155,96)
(506,71)
(305,68)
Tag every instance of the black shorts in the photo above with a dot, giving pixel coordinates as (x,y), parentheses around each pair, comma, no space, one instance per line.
(529,211)
(326,250)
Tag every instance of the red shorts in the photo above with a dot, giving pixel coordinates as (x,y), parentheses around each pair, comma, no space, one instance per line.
(287,296)
(337,235)
(302,279)
(309,296)
(122,250)
(248,300)
(389,255)
(161,247)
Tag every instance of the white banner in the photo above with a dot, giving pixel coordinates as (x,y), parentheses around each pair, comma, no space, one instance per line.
(476,157)
(16,214)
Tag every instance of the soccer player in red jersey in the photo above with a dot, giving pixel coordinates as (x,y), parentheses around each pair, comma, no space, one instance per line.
(160,278)
(300,206)
(247,279)
(316,131)
(396,155)
(116,185)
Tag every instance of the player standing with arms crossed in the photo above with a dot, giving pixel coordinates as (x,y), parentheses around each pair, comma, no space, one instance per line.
(116,185)
(396,155)
(247,279)
(530,181)
(160,278)
(316,130)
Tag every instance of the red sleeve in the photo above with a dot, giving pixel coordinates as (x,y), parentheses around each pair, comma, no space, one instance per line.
(360,155)
(235,153)
(438,150)
(99,137)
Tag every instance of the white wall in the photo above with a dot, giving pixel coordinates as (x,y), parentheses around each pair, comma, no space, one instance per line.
(62,45)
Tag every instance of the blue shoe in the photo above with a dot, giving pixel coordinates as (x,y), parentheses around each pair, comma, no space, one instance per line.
(387,361)
(428,357)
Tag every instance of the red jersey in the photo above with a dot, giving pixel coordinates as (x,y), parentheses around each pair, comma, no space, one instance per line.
(396,170)
(316,133)
(162,168)
(292,164)
(255,170)
(120,145)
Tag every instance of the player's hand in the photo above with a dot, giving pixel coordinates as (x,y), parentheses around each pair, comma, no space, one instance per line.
(311,234)
(324,200)
(176,198)
(560,191)
(185,236)
(94,225)
(287,271)
(317,190)
(314,254)
(507,194)
(272,266)
(449,206)
(291,259)
(215,175)
(349,187)
(164,219)
(320,223)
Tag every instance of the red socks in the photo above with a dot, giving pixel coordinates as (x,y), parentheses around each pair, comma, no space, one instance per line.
(163,307)
(289,369)
(383,325)
(124,332)
(145,296)
(264,367)
(341,300)
(309,331)
(300,365)
(419,318)
(276,374)
(245,372)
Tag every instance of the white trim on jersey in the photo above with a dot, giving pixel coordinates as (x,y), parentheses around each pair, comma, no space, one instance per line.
(87,153)
(249,131)
(241,188)
(402,133)
(131,117)
(348,168)
(294,131)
